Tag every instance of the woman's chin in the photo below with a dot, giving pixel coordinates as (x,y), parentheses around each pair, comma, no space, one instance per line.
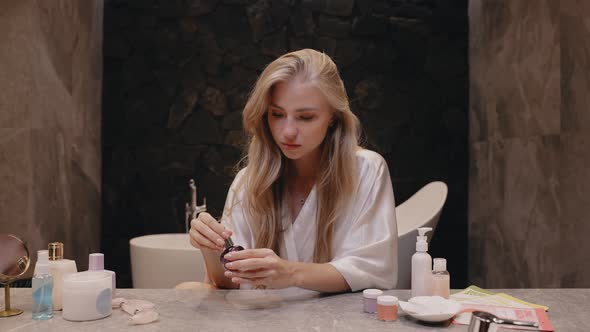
(292,155)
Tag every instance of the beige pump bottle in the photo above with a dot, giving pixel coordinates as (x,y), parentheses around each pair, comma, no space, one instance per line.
(59,267)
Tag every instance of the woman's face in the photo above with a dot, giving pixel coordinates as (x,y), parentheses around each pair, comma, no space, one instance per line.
(298,117)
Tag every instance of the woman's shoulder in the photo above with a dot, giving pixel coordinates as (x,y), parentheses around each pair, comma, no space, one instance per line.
(241,172)
(369,161)
(235,193)
(239,178)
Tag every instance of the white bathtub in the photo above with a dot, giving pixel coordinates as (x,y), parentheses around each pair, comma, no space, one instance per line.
(164,260)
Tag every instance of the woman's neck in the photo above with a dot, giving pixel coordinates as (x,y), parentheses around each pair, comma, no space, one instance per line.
(306,168)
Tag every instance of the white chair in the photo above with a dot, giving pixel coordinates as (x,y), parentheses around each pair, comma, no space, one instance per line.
(421,210)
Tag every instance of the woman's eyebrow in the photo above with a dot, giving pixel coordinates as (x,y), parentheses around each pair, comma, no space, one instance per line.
(303,109)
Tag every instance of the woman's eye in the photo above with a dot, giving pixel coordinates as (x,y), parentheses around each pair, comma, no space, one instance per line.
(276,115)
(307,118)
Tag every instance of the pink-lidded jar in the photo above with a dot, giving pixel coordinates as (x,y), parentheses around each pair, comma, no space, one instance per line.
(370,300)
(387,308)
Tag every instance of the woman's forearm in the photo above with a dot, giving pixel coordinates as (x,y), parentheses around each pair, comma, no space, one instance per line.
(319,277)
(215,270)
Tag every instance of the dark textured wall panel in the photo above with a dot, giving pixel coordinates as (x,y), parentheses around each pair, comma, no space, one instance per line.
(529,118)
(50,123)
(177,74)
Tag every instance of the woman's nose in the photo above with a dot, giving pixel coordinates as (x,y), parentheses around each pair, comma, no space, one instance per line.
(290,130)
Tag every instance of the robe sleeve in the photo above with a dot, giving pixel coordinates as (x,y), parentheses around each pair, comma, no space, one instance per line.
(234,216)
(365,243)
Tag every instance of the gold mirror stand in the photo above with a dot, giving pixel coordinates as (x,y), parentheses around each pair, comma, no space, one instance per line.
(15,262)
(8,312)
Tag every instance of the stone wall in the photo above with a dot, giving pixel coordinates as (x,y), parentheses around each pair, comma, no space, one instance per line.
(50,102)
(177,73)
(529,134)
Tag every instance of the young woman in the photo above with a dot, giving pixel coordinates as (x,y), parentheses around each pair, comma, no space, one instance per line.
(312,208)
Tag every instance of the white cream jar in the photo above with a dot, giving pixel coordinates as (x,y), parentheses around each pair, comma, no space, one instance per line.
(87,295)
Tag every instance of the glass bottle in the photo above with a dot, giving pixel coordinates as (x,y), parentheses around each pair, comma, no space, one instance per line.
(42,287)
(441,280)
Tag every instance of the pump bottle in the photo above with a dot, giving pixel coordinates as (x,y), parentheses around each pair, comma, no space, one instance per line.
(422,266)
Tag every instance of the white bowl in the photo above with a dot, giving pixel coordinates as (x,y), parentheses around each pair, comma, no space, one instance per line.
(164,261)
(431,308)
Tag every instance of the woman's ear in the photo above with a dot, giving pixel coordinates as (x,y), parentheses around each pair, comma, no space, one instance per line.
(332,120)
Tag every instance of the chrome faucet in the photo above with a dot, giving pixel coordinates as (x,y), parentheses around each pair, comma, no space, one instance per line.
(192,209)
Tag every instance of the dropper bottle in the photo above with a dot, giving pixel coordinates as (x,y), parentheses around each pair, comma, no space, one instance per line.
(229,247)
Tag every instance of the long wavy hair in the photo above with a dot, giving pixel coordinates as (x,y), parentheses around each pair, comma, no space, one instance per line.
(263,178)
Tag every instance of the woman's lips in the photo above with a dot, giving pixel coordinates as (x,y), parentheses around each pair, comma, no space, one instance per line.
(290,146)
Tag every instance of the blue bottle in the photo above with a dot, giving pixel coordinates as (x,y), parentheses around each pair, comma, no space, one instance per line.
(42,288)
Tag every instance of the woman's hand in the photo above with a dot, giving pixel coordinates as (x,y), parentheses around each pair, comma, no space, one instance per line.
(259,267)
(207,233)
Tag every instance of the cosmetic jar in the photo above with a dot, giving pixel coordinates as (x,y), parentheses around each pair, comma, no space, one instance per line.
(387,307)
(87,295)
(370,300)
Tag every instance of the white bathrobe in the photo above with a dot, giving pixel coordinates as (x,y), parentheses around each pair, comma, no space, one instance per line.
(365,236)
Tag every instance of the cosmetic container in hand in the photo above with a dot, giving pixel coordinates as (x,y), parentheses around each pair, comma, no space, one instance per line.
(229,247)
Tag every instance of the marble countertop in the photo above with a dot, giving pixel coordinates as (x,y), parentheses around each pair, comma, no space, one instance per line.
(284,310)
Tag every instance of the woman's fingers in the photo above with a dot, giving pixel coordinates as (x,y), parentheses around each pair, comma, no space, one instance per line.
(269,270)
(251,275)
(251,259)
(200,242)
(250,264)
(218,228)
(249,253)
(207,232)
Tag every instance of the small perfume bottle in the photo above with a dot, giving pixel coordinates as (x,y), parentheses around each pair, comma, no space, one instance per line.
(96,263)
(42,286)
(441,280)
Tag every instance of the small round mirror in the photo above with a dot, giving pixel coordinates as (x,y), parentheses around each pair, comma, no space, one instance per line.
(14,262)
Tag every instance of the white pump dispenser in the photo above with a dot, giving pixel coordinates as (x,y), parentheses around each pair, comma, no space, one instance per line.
(422,266)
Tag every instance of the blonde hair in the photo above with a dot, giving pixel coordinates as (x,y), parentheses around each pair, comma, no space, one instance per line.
(263,177)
